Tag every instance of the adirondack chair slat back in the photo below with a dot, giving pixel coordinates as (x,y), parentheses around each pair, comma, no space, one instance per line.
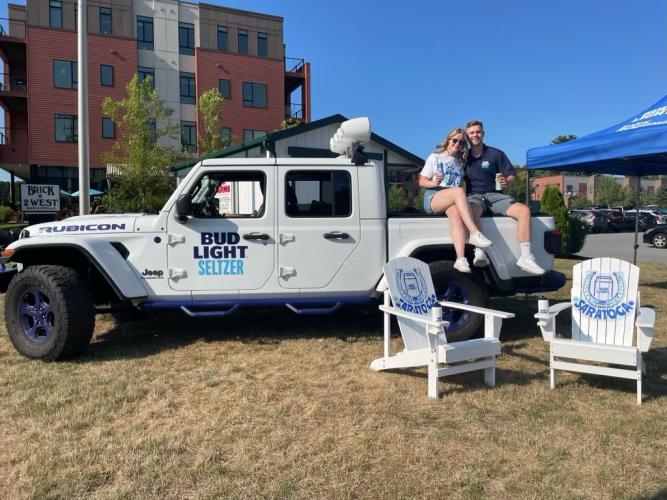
(605,301)
(411,289)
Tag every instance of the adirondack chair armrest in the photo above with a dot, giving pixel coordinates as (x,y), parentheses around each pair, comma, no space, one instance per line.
(547,321)
(476,309)
(415,317)
(493,319)
(645,322)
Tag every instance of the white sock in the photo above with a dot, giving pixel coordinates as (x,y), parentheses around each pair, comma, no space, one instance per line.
(525,249)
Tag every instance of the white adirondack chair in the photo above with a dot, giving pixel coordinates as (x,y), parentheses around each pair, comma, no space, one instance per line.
(605,311)
(408,286)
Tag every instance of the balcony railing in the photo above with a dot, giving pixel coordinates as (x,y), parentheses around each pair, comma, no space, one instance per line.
(293,65)
(12,27)
(294,111)
(10,82)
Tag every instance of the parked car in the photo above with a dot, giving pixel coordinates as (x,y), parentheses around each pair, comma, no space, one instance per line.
(647,219)
(617,220)
(657,236)
(596,220)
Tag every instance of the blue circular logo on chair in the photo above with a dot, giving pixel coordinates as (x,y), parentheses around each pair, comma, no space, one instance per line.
(604,290)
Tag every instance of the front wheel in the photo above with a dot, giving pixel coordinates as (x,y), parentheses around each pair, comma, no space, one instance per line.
(49,313)
(453,286)
(660,240)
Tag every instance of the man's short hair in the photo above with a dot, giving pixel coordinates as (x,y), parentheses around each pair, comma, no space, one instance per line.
(472,123)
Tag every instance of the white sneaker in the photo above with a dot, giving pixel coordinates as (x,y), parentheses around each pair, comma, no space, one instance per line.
(462,265)
(480,260)
(528,264)
(479,240)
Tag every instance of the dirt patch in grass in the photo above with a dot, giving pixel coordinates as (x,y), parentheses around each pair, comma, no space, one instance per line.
(264,403)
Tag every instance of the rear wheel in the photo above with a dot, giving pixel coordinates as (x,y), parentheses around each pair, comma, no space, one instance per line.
(49,313)
(453,286)
(659,240)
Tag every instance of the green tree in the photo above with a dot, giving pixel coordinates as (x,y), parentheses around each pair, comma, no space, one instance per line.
(144,182)
(397,199)
(610,192)
(573,230)
(210,139)
(517,189)
(580,202)
(559,139)
(661,197)
(289,123)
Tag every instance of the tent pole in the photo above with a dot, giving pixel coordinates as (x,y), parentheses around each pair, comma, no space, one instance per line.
(528,190)
(637,201)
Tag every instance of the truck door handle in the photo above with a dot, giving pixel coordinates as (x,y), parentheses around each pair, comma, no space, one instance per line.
(336,235)
(256,236)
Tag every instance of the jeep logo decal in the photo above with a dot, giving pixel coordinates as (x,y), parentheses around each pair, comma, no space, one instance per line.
(151,274)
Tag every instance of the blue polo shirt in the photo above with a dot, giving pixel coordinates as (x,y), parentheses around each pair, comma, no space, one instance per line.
(481,171)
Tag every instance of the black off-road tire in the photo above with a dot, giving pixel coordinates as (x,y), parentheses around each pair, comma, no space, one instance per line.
(453,285)
(71,319)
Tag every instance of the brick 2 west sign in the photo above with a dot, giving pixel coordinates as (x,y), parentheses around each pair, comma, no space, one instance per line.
(40,198)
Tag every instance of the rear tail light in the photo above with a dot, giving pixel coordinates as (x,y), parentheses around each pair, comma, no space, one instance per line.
(553,242)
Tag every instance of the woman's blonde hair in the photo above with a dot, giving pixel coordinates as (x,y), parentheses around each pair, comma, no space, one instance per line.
(462,155)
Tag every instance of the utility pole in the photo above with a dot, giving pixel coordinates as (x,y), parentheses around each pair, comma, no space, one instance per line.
(84,160)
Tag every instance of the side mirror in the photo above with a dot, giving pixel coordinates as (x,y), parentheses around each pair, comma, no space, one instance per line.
(183,207)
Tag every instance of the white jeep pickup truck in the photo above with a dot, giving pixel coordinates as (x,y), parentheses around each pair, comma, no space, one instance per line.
(308,234)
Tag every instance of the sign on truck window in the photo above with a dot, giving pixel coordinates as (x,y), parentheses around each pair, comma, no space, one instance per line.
(40,198)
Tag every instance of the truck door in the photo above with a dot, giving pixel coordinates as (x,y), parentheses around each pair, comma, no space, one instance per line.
(229,242)
(318,224)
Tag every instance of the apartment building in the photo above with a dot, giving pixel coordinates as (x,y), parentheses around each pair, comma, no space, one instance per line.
(186,49)
(578,186)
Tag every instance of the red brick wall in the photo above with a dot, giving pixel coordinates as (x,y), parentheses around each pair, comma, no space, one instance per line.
(540,183)
(213,66)
(44,101)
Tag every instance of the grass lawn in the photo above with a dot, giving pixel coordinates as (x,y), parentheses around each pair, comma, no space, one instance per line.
(268,404)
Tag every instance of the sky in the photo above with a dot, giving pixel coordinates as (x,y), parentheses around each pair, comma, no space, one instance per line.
(530,70)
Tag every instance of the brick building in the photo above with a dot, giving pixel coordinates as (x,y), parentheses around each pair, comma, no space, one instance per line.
(185,48)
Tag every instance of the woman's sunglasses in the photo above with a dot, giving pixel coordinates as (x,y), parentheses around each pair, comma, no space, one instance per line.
(457,141)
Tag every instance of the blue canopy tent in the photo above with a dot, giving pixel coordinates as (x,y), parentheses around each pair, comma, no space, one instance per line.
(634,147)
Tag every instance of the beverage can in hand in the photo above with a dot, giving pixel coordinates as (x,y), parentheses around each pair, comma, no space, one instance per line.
(498,186)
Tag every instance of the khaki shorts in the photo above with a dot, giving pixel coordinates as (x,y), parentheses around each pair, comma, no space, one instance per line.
(496,203)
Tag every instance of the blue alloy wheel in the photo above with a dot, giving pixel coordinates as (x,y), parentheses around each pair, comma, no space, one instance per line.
(36,315)
(456,317)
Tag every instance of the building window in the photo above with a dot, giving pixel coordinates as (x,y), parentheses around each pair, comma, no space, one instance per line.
(55,14)
(106,75)
(243,41)
(76,18)
(254,95)
(226,134)
(223,86)
(145,32)
(108,128)
(249,134)
(318,193)
(187,88)
(143,73)
(66,128)
(64,74)
(105,20)
(186,39)
(189,136)
(222,38)
(262,45)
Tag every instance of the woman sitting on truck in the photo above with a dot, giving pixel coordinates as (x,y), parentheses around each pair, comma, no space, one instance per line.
(442,176)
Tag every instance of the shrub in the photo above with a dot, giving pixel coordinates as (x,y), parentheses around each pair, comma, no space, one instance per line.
(5,214)
(574,230)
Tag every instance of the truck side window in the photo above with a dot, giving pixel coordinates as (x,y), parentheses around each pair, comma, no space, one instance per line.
(229,194)
(318,193)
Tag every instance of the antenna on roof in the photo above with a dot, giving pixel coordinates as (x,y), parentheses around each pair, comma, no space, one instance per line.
(349,139)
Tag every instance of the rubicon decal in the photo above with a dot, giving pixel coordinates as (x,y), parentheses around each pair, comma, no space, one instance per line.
(71,228)
(220,254)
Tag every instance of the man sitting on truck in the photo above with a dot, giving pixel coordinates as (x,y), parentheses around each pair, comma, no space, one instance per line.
(488,171)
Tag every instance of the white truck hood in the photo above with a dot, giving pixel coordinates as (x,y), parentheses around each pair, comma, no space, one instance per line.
(86,224)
